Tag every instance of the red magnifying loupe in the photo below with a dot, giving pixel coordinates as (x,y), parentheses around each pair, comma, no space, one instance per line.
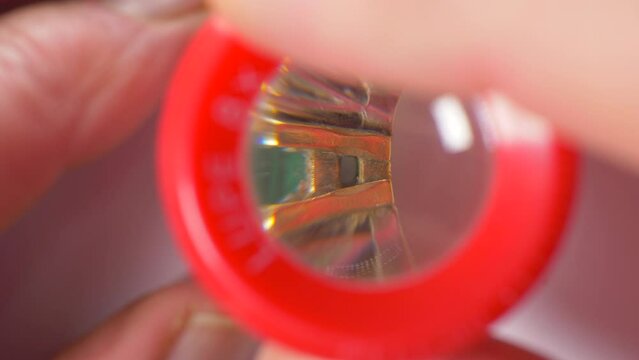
(348,221)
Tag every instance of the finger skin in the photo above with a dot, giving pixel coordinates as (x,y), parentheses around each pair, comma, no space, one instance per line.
(146,329)
(573,62)
(6,5)
(76,79)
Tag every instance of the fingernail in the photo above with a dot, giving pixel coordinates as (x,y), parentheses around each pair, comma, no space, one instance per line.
(212,336)
(157,8)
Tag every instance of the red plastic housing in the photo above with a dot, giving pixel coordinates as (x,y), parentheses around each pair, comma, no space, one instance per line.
(203,174)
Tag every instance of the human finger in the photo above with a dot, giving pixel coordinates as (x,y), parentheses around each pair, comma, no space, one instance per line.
(571,61)
(76,79)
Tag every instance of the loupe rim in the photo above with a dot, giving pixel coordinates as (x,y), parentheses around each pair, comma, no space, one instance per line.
(429,315)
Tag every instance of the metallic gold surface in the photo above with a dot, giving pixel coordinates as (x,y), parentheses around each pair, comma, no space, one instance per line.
(331,215)
(321,164)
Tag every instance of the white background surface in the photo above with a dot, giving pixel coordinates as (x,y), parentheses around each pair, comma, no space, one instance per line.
(99,240)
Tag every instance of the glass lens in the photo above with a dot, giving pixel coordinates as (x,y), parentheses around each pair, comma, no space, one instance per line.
(360,183)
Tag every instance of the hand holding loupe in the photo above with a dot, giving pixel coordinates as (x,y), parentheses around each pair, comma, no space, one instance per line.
(352,222)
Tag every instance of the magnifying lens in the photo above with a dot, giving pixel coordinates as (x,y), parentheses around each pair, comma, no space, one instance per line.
(350,221)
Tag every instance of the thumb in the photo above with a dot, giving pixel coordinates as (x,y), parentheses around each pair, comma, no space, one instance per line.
(175,323)
(77,77)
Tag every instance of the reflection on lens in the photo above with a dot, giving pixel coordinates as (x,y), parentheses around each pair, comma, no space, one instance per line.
(359,183)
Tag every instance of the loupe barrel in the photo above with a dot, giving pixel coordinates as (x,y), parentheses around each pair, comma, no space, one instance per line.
(349,222)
